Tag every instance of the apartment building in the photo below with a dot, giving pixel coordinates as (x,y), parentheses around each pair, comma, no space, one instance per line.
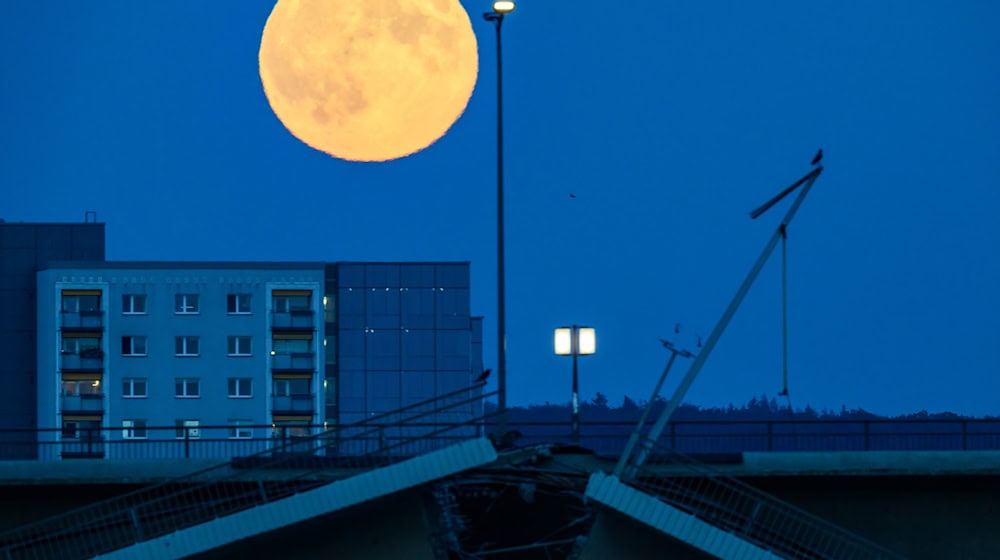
(182,352)
(138,345)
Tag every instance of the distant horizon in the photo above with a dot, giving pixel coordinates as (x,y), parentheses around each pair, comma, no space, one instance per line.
(782,406)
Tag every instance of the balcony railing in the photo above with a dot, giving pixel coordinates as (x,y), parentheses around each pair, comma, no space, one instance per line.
(89,444)
(86,402)
(83,363)
(292,404)
(295,362)
(77,321)
(294,320)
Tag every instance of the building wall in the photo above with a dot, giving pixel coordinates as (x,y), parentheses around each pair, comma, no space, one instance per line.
(213,408)
(404,334)
(25,249)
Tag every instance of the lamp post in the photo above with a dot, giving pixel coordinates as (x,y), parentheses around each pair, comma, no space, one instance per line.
(575,341)
(500,8)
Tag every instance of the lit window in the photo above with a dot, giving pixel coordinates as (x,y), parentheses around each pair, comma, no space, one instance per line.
(186,345)
(79,387)
(240,387)
(133,346)
(186,304)
(187,388)
(134,387)
(188,426)
(134,304)
(134,429)
(238,304)
(239,346)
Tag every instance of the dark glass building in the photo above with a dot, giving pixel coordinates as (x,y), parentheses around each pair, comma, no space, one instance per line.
(26,248)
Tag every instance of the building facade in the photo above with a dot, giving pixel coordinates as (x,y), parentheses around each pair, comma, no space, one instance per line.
(26,248)
(219,359)
(404,334)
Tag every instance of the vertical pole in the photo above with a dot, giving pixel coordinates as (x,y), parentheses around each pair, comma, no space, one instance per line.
(784,315)
(627,453)
(575,346)
(501,296)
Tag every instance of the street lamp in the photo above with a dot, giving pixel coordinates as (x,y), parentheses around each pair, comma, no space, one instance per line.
(575,341)
(500,8)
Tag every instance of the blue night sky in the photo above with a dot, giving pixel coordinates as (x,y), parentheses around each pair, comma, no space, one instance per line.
(669,123)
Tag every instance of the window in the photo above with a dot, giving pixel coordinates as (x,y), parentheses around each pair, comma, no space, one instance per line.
(289,387)
(134,429)
(240,429)
(288,303)
(292,346)
(240,387)
(239,346)
(79,387)
(134,387)
(78,302)
(238,304)
(186,345)
(133,346)
(289,429)
(85,346)
(134,304)
(186,304)
(330,349)
(189,426)
(187,388)
(330,308)
(69,430)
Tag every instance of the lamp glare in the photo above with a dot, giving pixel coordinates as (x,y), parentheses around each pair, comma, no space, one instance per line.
(563,341)
(503,6)
(586,340)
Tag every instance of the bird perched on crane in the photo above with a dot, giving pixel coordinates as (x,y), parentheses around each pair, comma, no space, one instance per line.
(818,157)
(482,376)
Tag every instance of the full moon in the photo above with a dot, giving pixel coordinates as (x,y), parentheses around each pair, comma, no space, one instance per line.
(368,80)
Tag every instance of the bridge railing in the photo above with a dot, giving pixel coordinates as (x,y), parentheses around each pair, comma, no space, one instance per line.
(293,466)
(603,437)
(730,436)
(751,514)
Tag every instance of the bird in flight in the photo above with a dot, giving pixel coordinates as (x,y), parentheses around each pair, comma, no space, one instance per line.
(482,376)
(571,195)
(819,156)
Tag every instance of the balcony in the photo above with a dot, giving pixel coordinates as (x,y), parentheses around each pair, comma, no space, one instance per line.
(88,362)
(82,321)
(83,403)
(298,362)
(292,404)
(296,320)
(89,444)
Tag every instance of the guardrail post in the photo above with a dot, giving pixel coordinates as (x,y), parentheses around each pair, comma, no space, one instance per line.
(187,444)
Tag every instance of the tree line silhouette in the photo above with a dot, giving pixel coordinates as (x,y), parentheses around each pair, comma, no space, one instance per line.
(599,409)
